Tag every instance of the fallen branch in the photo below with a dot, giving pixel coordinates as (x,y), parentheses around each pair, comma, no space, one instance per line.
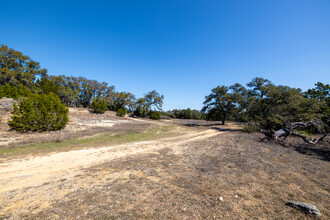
(314,141)
(279,136)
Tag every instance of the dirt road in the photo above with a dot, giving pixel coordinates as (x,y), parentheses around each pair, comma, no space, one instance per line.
(26,177)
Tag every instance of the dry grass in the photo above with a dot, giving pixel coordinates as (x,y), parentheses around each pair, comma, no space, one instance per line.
(118,134)
(255,180)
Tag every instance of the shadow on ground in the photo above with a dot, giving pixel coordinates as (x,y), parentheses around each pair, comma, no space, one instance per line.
(320,151)
(215,125)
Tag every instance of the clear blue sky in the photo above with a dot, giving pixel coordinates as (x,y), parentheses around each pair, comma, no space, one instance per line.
(181,48)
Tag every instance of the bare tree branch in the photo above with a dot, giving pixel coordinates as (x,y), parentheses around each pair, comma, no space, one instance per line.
(279,136)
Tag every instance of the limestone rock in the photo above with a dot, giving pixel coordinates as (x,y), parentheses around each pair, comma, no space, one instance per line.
(304,207)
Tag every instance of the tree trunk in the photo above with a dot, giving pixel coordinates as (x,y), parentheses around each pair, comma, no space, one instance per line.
(224,119)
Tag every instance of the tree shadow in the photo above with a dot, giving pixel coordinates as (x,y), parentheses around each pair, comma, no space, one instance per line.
(321,151)
(226,129)
(214,126)
(199,125)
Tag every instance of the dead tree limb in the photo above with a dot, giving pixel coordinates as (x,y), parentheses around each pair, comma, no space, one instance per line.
(279,136)
(313,141)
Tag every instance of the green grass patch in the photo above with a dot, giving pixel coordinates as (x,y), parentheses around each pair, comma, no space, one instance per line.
(304,132)
(87,142)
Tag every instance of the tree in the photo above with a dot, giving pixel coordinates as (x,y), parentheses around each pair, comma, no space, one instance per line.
(152,100)
(141,109)
(281,105)
(59,86)
(18,69)
(39,112)
(258,87)
(130,102)
(88,89)
(121,100)
(223,102)
(320,92)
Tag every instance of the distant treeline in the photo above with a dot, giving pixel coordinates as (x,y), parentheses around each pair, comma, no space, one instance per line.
(185,114)
(20,76)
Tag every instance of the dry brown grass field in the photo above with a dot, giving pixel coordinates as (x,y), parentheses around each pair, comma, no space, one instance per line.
(105,167)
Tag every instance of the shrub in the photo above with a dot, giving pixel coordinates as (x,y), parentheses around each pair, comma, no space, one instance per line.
(99,106)
(138,112)
(155,115)
(39,112)
(121,112)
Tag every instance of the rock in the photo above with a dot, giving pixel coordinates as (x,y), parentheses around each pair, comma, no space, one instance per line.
(7,103)
(236,196)
(304,207)
(220,198)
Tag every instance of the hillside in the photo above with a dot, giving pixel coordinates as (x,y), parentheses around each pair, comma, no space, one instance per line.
(82,123)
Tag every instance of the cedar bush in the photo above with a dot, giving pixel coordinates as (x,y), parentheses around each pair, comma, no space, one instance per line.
(99,106)
(39,112)
(121,112)
(155,115)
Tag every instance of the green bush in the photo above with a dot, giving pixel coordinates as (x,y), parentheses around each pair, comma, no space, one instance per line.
(121,112)
(139,112)
(155,115)
(39,112)
(99,106)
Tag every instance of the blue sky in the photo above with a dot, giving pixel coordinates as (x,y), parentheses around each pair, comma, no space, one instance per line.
(181,48)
